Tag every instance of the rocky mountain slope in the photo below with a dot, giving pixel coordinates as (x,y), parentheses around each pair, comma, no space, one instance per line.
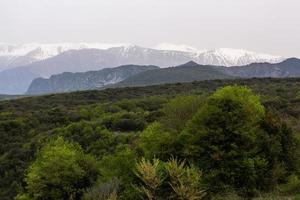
(67,81)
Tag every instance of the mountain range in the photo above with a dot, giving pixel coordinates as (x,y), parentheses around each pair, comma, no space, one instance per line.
(21,64)
(68,81)
(192,71)
(129,76)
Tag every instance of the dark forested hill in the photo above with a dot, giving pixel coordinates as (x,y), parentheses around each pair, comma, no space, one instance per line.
(192,72)
(67,81)
(287,68)
(188,72)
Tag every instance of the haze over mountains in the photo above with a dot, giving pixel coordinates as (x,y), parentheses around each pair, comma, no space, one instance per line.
(21,64)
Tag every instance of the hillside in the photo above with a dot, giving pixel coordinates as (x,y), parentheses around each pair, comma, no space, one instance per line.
(188,72)
(92,119)
(67,81)
(286,68)
(192,71)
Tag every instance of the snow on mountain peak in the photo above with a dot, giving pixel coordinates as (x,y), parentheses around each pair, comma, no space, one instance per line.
(19,55)
(175,47)
(232,57)
(42,51)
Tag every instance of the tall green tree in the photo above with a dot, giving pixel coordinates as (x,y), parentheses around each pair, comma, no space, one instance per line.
(222,138)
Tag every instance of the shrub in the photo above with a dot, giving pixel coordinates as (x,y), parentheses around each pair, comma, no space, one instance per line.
(170,180)
(61,171)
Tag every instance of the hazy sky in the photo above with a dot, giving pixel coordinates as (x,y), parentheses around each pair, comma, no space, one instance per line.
(270,26)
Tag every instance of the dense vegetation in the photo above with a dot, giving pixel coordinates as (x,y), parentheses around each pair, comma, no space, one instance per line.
(199,140)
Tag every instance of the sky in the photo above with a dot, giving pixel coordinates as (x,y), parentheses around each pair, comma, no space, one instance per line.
(267,26)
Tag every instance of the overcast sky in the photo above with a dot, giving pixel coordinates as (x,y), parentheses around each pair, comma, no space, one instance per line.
(270,26)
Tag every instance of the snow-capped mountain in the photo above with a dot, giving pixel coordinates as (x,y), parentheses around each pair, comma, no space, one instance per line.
(33,60)
(221,57)
(234,57)
(12,55)
(175,47)
(19,55)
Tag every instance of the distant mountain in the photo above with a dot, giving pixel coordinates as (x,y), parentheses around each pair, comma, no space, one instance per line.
(192,71)
(234,57)
(19,55)
(188,72)
(67,81)
(87,60)
(287,68)
(12,55)
(35,61)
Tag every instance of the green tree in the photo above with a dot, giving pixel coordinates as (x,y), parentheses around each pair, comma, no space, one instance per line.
(222,138)
(119,166)
(156,142)
(60,171)
(160,139)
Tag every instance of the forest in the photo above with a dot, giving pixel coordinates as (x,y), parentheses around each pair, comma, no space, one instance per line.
(207,140)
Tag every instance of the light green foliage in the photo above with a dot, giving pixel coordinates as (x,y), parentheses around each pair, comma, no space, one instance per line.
(160,139)
(91,136)
(298,95)
(242,94)
(292,186)
(156,142)
(170,180)
(185,181)
(150,174)
(61,171)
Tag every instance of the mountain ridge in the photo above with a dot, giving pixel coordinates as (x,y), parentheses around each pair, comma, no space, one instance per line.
(88,59)
(195,72)
(67,81)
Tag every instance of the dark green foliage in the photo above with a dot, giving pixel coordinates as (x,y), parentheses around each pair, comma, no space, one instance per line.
(184,73)
(66,82)
(178,111)
(237,145)
(223,139)
(121,125)
(279,148)
(120,166)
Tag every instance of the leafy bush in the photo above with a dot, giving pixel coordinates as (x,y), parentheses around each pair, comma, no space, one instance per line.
(61,171)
